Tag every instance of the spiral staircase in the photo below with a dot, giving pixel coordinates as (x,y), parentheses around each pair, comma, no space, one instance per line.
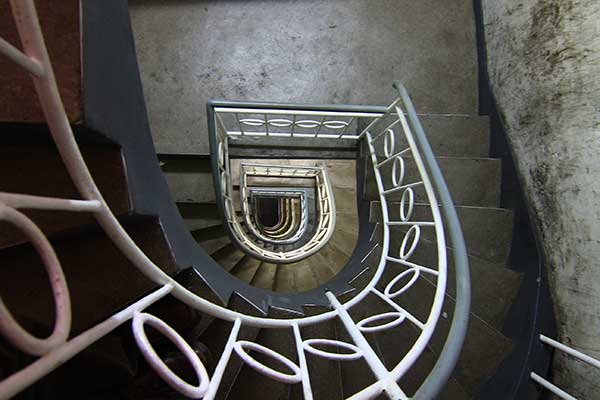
(318,252)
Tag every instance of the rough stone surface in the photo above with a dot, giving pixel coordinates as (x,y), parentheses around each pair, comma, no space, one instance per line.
(544,61)
(337,51)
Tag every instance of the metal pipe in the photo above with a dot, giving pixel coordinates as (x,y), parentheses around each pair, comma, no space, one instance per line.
(15,55)
(551,387)
(572,352)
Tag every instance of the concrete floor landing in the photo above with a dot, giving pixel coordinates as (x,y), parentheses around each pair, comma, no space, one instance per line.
(334,51)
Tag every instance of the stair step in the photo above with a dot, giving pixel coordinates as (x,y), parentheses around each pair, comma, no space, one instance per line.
(325,375)
(471,181)
(335,258)
(265,276)
(215,338)
(228,256)
(493,286)
(191,187)
(210,245)
(394,344)
(320,268)
(343,241)
(100,278)
(37,169)
(345,200)
(199,215)
(285,278)
(356,374)
(487,231)
(347,222)
(186,320)
(211,232)
(246,269)
(391,345)
(189,178)
(484,349)
(454,135)
(252,385)
(342,173)
(295,277)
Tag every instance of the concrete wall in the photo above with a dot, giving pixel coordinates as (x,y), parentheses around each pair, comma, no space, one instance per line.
(544,64)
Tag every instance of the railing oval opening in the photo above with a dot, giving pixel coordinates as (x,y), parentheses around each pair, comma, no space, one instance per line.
(381,322)
(321,347)
(242,347)
(9,326)
(159,366)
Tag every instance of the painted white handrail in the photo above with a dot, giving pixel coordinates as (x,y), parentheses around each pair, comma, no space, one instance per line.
(58,350)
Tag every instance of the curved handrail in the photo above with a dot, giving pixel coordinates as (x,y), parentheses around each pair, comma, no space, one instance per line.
(449,356)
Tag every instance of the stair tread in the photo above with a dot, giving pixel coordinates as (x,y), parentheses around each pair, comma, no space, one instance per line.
(320,268)
(356,374)
(471,181)
(457,135)
(325,375)
(395,343)
(199,215)
(342,173)
(214,244)
(335,257)
(246,268)
(487,231)
(484,348)
(285,278)
(265,276)
(345,200)
(215,338)
(100,278)
(252,385)
(493,287)
(228,256)
(37,169)
(347,222)
(191,187)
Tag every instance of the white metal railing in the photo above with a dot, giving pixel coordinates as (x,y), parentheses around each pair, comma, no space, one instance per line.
(275,237)
(570,351)
(324,193)
(60,347)
(289,123)
(380,131)
(246,194)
